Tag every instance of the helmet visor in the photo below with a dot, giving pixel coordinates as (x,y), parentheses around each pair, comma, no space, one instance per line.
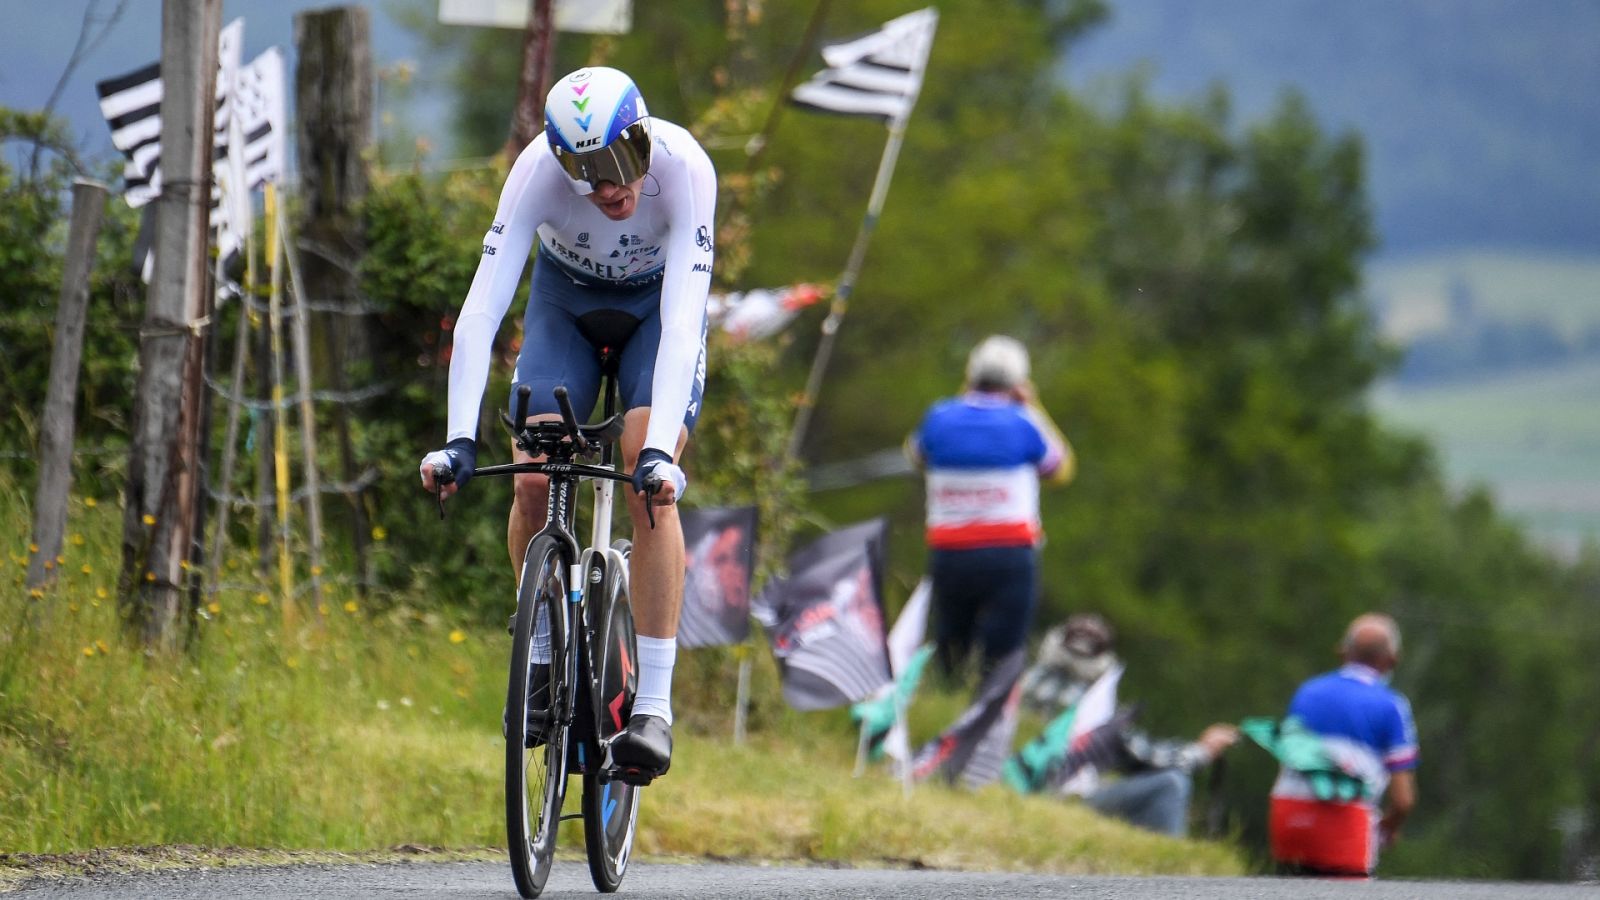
(623,161)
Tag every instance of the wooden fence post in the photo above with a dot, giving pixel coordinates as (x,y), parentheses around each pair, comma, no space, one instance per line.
(333,97)
(57,425)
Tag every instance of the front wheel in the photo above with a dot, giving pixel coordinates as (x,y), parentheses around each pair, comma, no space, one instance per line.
(611,808)
(538,714)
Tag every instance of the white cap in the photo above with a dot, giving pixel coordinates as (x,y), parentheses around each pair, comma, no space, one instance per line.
(997,363)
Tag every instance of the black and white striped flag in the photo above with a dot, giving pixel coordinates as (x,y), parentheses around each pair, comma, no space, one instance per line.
(974,748)
(131,104)
(825,620)
(878,75)
(248,144)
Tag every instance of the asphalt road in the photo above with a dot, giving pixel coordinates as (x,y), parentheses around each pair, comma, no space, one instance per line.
(468,881)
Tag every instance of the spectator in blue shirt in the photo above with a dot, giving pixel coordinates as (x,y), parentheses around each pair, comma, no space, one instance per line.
(983,454)
(1367,735)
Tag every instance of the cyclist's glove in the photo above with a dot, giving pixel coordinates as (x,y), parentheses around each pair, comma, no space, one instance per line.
(461,455)
(659,464)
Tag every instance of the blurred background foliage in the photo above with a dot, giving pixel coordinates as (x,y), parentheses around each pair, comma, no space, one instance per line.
(1189,284)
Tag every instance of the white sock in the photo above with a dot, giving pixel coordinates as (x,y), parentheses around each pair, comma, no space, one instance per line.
(656,659)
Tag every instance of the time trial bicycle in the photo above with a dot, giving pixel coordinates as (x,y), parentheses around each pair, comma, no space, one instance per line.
(573,669)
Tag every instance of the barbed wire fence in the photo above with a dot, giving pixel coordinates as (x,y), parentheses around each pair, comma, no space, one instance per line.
(267,404)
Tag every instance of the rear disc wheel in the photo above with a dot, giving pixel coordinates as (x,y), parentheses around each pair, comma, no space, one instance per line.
(611,807)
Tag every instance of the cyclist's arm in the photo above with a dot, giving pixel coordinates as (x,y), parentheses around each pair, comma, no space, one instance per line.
(690,186)
(505,252)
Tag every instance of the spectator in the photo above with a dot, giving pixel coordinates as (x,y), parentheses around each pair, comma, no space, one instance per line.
(1116,769)
(1072,656)
(1324,816)
(984,453)
(1150,782)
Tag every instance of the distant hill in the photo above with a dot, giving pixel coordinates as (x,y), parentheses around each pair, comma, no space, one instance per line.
(1482,117)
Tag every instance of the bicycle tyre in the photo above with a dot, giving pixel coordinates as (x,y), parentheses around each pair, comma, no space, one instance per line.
(611,807)
(536,778)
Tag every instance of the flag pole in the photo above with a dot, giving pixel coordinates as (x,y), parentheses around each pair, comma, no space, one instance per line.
(847,283)
(858,251)
(900,721)
(741,703)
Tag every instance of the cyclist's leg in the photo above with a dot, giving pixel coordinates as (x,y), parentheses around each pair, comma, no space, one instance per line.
(656,570)
(657,566)
(658,553)
(554,352)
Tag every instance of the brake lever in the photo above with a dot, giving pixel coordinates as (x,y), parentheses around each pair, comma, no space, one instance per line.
(442,475)
(652,486)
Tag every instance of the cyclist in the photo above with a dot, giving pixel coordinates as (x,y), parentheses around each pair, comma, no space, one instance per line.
(617,206)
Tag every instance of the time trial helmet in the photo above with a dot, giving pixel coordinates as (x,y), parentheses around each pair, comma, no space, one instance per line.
(598,127)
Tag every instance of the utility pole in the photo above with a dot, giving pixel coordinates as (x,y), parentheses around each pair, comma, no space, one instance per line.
(538,53)
(163,469)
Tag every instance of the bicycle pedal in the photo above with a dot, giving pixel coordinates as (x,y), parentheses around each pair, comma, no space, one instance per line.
(629,775)
(636,777)
(632,776)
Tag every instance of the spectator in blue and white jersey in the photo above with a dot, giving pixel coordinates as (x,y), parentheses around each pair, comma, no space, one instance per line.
(1366,729)
(984,454)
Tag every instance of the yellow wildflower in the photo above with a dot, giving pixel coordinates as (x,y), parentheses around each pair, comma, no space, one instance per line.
(102,593)
(214,607)
(87,568)
(90,502)
(379,532)
(102,646)
(457,636)
(350,606)
(149,519)
(261,600)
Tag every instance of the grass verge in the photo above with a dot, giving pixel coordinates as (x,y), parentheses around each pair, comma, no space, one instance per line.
(359,731)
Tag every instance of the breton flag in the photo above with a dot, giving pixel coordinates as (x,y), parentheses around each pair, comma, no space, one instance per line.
(248,146)
(974,748)
(825,620)
(716,589)
(878,75)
